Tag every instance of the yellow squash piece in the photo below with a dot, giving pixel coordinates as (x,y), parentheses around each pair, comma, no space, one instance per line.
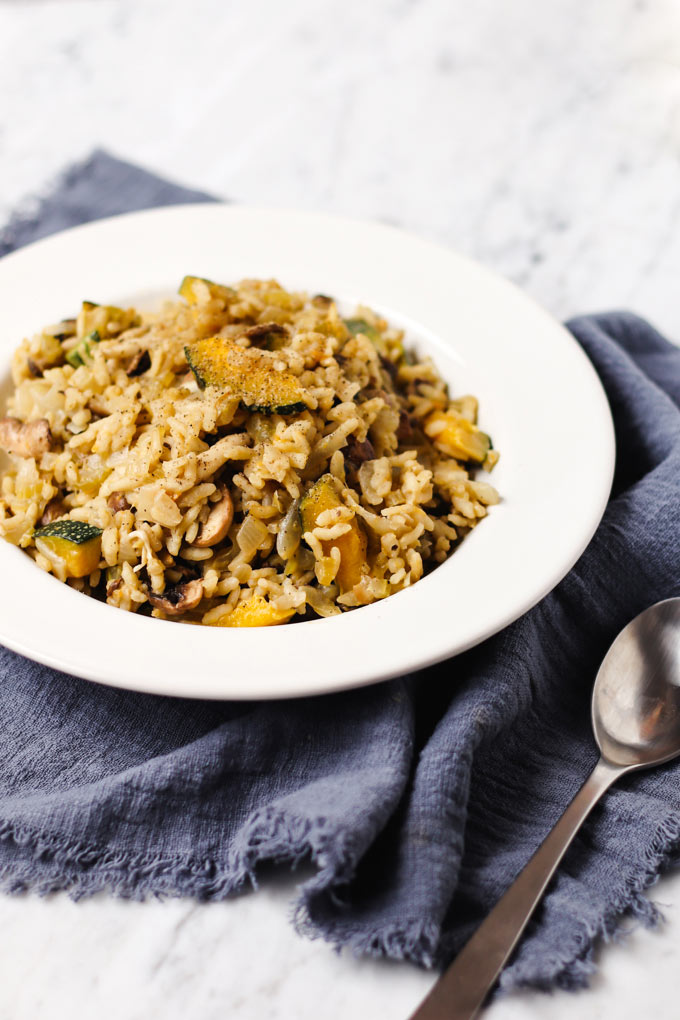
(256,612)
(245,372)
(105,320)
(352,545)
(73,547)
(195,289)
(459,437)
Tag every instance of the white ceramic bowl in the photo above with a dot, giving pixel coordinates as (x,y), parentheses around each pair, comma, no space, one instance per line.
(539,396)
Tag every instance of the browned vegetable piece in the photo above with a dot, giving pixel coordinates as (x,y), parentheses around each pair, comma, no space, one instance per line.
(178,600)
(218,522)
(52,512)
(139,364)
(405,428)
(114,579)
(359,452)
(355,455)
(25,439)
(117,501)
(270,335)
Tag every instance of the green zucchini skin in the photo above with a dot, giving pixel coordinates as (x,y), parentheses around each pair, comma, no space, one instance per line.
(356,326)
(242,385)
(82,351)
(77,532)
(198,376)
(295,408)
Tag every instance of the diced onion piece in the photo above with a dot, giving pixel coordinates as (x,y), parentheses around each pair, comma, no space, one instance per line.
(290,532)
(251,536)
(322,601)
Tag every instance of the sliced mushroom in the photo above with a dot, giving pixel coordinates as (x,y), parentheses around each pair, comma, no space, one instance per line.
(117,501)
(264,329)
(25,439)
(215,528)
(389,398)
(405,428)
(178,600)
(359,452)
(272,336)
(390,367)
(181,572)
(52,512)
(139,364)
(356,454)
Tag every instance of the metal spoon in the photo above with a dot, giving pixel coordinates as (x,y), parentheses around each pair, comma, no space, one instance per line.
(636,720)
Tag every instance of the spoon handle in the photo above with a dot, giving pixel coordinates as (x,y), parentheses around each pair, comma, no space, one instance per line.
(460,992)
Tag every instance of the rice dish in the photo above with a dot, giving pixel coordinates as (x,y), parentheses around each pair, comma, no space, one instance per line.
(245,456)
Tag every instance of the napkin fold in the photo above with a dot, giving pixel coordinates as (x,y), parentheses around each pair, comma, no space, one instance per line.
(417,800)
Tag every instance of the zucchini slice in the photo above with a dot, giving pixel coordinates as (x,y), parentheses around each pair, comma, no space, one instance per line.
(195,289)
(352,545)
(356,326)
(459,437)
(74,547)
(245,372)
(82,352)
(256,612)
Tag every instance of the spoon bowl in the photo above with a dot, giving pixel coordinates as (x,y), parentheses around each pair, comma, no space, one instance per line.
(636,699)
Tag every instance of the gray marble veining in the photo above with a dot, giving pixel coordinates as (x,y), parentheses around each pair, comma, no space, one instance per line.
(543,140)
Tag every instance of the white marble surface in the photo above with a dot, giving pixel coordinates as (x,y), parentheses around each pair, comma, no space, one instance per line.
(540,138)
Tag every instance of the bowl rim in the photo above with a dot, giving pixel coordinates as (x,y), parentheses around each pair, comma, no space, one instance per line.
(500,335)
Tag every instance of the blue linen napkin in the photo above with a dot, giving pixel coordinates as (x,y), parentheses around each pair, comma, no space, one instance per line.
(417,800)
